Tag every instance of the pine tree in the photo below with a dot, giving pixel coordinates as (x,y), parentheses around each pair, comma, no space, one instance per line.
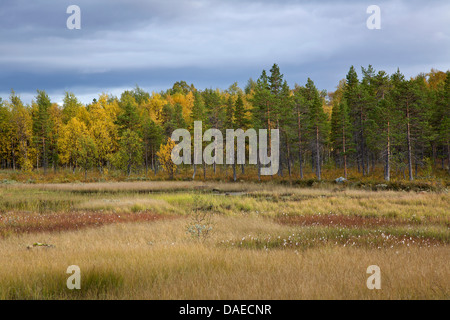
(353,95)
(369,99)
(152,138)
(276,85)
(240,122)
(286,123)
(239,113)
(318,125)
(341,133)
(261,112)
(444,128)
(438,83)
(129,156)
(42,126)
(301,115)
(261,104)
(128,117)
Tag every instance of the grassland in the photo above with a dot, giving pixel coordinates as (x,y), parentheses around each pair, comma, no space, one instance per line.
(267,241)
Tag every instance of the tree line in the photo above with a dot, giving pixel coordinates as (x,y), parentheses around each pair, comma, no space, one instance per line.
(373,121)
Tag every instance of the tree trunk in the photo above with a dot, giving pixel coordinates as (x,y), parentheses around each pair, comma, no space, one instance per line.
(343,150)
(387,172)
(288,160)
(204,170)
(14,160)
(408,137)
(259,168)
(433,154)
(416,165)
(448,155)
(300,160)
(317,154)
(44,153)
(146,159)
(129,165)
(363,164)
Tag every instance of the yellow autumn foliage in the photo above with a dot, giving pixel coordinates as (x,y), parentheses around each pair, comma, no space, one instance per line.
(165,157)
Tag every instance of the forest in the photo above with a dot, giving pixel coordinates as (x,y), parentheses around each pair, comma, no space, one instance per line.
(374,123)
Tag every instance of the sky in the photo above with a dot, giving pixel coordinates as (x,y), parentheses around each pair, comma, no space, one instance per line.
(210,43)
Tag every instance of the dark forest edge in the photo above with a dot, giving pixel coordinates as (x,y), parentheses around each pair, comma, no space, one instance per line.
(377,132)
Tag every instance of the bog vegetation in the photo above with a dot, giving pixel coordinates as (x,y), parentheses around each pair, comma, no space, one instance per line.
(196,240)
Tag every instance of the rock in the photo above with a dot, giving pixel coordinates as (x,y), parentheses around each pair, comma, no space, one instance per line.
(38,244)
(340,180)
(381,186)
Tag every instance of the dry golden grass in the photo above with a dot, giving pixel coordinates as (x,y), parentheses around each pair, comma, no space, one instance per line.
(158,261)
(266,199)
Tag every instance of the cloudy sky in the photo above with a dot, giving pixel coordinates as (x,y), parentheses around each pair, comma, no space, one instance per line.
(210,43)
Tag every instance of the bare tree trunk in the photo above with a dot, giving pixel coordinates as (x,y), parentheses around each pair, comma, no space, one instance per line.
(204,170)
(387,173)
(259,168)
(268,123)
(44,160)
(300,157)
(288,156)
(152,161)
(448,155)
(361,123)
(317,154)
(154,164)
(14,160)
(416,164)
(300,160)
(433,155)
(146,159)
(408,137)
(343,149)
(358,160)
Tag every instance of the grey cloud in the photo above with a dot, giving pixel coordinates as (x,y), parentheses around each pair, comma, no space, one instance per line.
(212,43)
